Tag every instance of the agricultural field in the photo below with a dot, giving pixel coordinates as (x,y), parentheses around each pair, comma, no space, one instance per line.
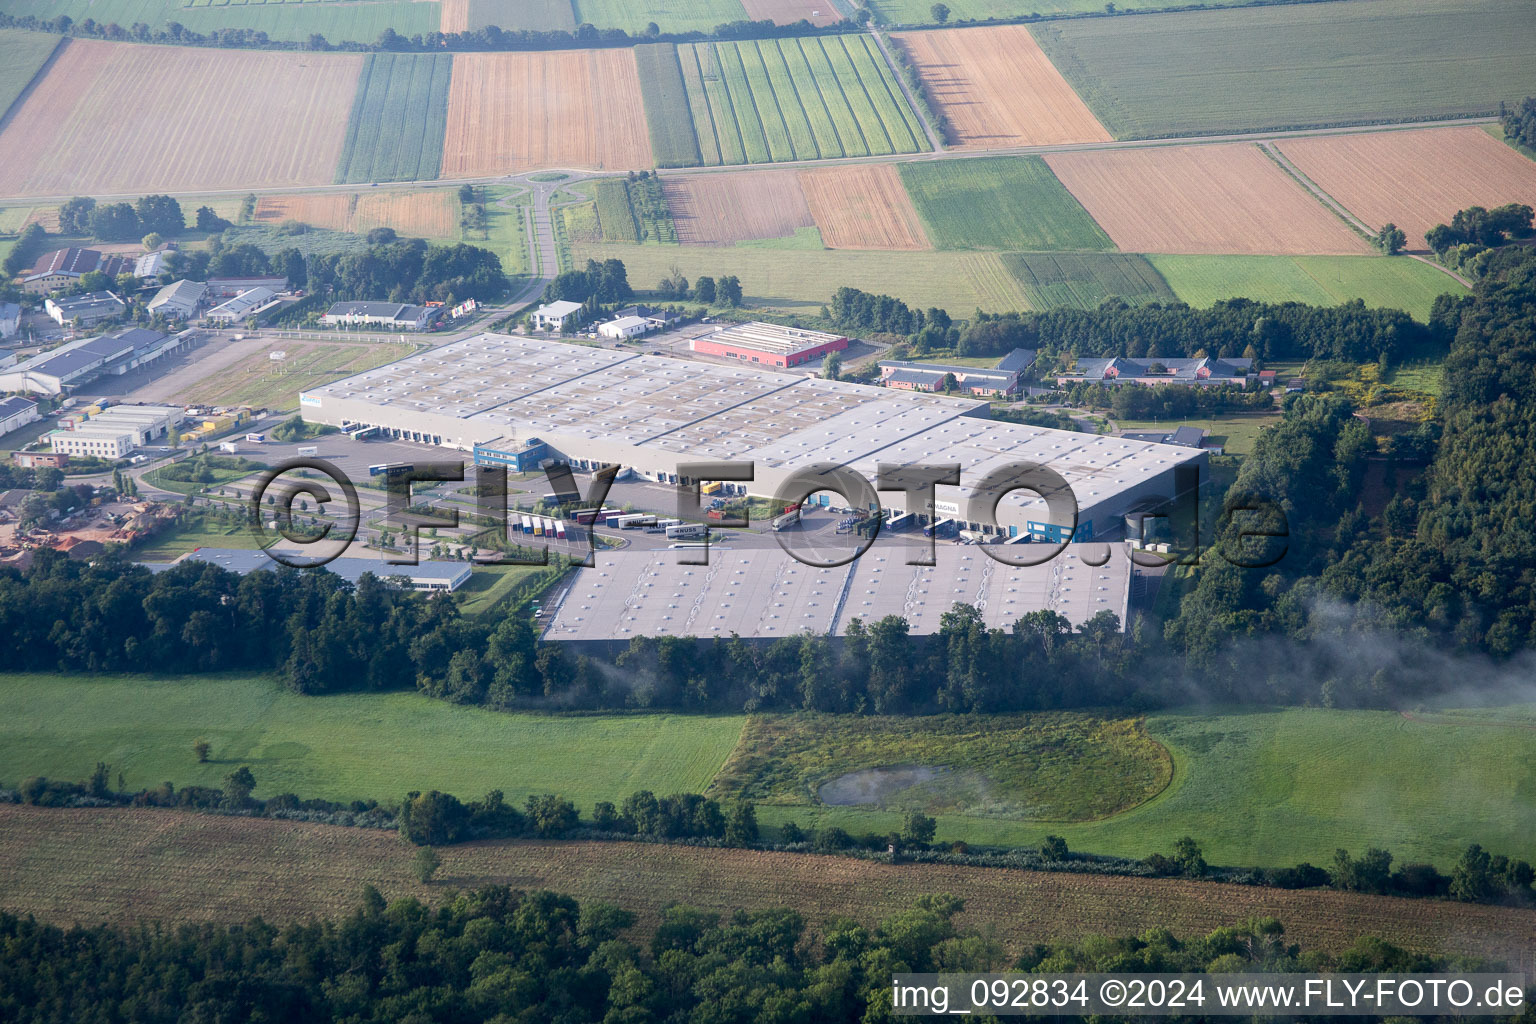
(669,15)
(89,865)
(1083,280)
(863,206)
(917,12)
(330,746)
(25,55)
(802,282)
(358,21)
(795,99)
(996,88)
(674,141)
(788,12)
(71,135)
(1202,199)
(430,213)
(1415,179)
(1276,787)
(510,112)
(1049,767)
(533,15)
(259,381)
(1382,282)
(1296,65)
(999,203)
(715,209)
(398,119)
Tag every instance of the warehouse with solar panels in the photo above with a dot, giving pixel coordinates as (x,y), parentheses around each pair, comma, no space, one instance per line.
(592,407)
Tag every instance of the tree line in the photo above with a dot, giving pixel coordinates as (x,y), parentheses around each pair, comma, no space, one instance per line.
(495,955)
(1464,243)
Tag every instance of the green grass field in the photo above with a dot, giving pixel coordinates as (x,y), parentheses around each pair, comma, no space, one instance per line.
(24,54)
(674,142)
(533,15)
(259,382)
(345,747)
(398,119)
(917,12)
(1298,65)
(1084,280)
(669,15)
(1276,787)
(199,532)
(791,99)
(1236,433)
(357,22)
(1382,282)
(1055,766)
(999,203)
(804,282)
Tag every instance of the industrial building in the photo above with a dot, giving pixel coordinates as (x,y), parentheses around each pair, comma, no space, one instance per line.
(1122,370)
(1000,379)
(114,432)
(16,412)
(593,407)
(763,592)
(151,264)
(396,316)
(179,300)
(63,267)
(555,315)
(249,303)
(84,310)
(428,575)
(10,319)
(80,362)
(769,344)
(624,327)
(221,288)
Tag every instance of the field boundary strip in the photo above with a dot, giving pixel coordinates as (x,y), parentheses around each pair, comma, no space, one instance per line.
(33,82)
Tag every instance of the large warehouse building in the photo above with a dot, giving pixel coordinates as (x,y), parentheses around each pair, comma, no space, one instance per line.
(762,592)
(78,363)
(769,344)
(592,407)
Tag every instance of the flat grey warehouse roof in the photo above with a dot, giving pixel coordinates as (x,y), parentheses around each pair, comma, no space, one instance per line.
(603,406)
(763,592)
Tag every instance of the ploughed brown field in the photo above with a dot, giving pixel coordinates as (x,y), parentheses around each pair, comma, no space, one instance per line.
(787,12)
(716,209)
(123,117)
(454,16)
(431,214)
(863,206)
(1221,199)
(510,112)
(998,89)
(121,865)
(1415,179)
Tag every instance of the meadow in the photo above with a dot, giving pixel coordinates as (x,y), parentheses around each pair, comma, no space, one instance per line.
(126,865)
(794,99)
(25,54)
(1060,765)
(1382,282)
(258,381)
(957,281)
(999,203)
(399,118)
(669,15)
(1296,65)
(345,747)
(1085,279)
(338,20)
(1274,787)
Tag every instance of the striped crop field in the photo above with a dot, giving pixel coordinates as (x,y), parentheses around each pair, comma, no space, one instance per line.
(772,100)
(999,202)
(25,55)
(398,119)
(1084,279)
(674,141)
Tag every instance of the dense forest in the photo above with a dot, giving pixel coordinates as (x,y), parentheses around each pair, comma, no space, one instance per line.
(499,955)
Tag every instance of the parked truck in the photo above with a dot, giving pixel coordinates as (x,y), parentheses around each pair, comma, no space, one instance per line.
(684,531)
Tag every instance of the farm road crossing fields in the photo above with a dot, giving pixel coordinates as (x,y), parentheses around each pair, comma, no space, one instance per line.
(1202,199)
(997,88)
(1415,179)
(1296,65)
(74,133)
